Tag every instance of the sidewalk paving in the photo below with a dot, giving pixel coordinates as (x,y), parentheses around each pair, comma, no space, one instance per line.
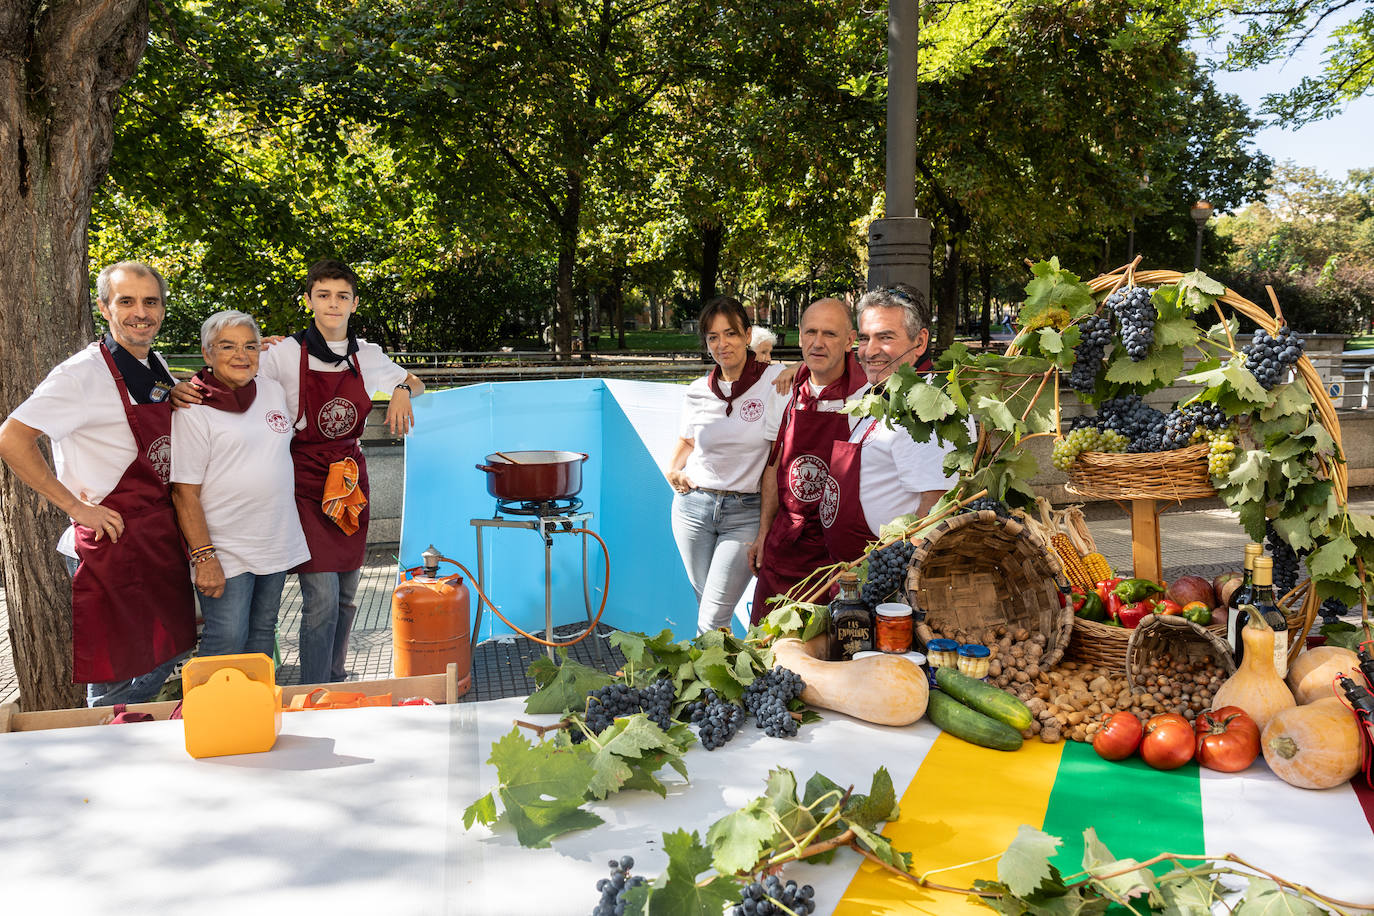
(1201,541)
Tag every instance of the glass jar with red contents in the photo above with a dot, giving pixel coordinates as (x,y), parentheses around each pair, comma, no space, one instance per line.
(892,632)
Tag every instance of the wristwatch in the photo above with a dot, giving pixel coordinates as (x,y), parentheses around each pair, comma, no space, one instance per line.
(406,388)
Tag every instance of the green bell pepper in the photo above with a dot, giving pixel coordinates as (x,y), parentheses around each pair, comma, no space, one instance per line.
(1132,590)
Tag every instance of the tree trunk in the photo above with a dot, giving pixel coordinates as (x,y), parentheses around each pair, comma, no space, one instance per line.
(949,292)
(567,263)
(712,242)
(62,66)
(985,277)
(618,302)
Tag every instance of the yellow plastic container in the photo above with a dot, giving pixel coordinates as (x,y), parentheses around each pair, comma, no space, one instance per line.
(231,705)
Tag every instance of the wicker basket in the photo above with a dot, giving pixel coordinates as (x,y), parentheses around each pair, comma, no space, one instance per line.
(976,570)
(1177,475)
(1175,636)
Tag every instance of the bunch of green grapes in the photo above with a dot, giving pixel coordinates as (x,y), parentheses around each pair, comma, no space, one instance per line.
(1221,452)
(1086,439)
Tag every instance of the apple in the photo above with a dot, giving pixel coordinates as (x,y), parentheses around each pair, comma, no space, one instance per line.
(1187,589)
(1225,585)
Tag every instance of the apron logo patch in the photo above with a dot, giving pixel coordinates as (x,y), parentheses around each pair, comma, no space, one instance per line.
(830,502)
(160,454)
(337,418)
(751,410)
(277,422)
(806,477)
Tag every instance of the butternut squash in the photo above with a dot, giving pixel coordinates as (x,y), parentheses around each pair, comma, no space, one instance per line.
(1256,687)
(1311,677)
(882,689)
(1316,746)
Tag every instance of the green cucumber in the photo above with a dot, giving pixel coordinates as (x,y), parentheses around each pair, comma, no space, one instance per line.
(970,724)
(990,701)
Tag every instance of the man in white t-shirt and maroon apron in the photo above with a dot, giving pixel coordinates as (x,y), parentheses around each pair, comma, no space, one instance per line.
(790,545)
(107,414)
(879,472)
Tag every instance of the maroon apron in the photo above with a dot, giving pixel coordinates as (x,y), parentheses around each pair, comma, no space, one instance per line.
(335,406)
(795,546)
(842,513)
(133,607)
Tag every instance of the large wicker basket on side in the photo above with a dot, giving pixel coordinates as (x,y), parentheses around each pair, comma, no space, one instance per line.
(977,570)
(1178,637)
(1106,647)
(1175,475)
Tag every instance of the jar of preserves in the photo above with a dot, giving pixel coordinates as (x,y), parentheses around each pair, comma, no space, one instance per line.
(974,660)
(942,653)
(893,628)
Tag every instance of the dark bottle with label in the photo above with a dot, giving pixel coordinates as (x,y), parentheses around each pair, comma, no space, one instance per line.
(851,621)
(1265,605)
(1244,594)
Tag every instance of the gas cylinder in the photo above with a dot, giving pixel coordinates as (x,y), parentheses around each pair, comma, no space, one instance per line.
(429,622)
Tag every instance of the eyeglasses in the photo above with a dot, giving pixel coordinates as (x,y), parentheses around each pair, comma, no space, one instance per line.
(225,349)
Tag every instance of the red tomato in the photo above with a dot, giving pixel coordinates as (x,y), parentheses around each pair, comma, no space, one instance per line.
(1227,739)
(1119,737)
(1168,743)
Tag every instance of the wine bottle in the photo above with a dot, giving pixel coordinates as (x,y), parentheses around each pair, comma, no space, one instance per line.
(1266,605)
(851,621)
(1244,594)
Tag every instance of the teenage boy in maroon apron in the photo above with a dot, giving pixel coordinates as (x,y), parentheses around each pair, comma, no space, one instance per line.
(332,375)
(133,614)
(887,319)
(791,545)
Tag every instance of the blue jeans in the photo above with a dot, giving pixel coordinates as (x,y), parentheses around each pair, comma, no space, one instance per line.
(713,534)
(244,618)
(328,607)
(141,689)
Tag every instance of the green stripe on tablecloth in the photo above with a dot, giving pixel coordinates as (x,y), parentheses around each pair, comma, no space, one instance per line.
(1138,812)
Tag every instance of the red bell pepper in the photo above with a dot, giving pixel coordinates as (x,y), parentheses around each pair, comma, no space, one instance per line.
(1105,587)
(1114,605)
(1132,614)
(1167,607)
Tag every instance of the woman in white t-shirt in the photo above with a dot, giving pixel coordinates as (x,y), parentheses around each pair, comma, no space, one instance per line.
(232,484)
(729,421)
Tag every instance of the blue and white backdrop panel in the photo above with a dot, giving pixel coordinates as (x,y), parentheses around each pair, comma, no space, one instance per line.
(628,428)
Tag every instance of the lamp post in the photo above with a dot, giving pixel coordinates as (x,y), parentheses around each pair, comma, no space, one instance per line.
(1201,212)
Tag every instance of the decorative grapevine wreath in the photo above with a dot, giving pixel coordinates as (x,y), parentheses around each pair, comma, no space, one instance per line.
(1268,446)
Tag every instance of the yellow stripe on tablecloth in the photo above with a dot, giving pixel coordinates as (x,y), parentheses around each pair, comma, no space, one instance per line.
(964,803)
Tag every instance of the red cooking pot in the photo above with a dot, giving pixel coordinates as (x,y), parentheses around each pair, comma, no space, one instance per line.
(534,476)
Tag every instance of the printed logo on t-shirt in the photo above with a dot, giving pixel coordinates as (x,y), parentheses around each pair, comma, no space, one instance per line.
(277,422)
(751,410)
(160,454)
(830,502)
(337,418)
(806,477)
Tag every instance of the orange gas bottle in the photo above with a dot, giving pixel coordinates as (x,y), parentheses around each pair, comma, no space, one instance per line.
(429,622)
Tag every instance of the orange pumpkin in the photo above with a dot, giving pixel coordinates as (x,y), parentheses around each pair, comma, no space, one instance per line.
(1315,670)
(1316,746)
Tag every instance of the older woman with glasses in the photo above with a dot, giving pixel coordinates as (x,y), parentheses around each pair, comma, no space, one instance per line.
(233,488)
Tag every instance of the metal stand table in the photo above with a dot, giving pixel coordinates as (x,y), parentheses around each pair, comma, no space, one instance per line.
(547,526)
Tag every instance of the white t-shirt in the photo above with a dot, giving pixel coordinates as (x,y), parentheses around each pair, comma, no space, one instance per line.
(282,363)
(895,470)
(730,452)
(242,462)
(77,407)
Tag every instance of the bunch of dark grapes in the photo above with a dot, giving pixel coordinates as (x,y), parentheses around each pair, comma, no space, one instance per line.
(986,502)
(1087,356)
(1332,609)
(609,703)
(886,571)
(767,697)
(762,898)
(1269,358)
(695,711)
(718,723)
(1285,561)
(1178,430)
(1135,316)
(613,889)
(1205,415)
(1134,419)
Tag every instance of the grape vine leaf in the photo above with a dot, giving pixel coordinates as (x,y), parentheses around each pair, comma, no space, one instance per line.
(878,806)
(1265,898)
(1051,341)
(1054,287)
(1025,866)
(1296,530)
(541,791)
(1172,332)
(739,839)
(996,410)
(1185,894)
(484,810)
(567,689)
(1159,366)
(676,892)
(1332,557)
(1199,291)
(929,403)
(638,648)
(1098,860)
(881,847)
(1248,475)
(624,743)
(1288,398)
(780,797)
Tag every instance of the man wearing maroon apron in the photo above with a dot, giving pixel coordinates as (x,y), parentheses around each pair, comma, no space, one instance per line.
(877,472)
(332,374)
(108,417)
(790,545)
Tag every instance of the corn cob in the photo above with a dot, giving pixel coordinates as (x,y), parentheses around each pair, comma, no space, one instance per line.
(1097,567)
(1074,570)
